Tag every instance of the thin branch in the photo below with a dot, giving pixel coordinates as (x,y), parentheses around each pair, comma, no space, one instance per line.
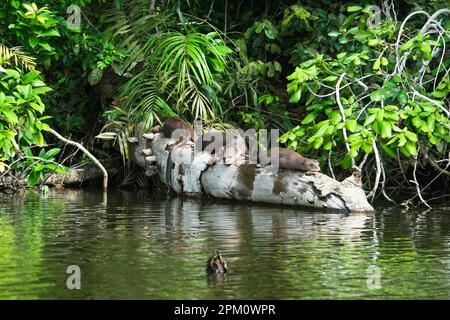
(86,152)
(378,175)
(344,119)
(419,193)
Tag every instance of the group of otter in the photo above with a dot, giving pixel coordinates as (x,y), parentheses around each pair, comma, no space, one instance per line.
(288,159)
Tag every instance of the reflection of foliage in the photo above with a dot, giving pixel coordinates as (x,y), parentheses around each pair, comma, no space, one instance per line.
(301,256)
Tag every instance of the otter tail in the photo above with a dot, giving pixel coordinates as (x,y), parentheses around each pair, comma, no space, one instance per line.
(169,167)
(170,164)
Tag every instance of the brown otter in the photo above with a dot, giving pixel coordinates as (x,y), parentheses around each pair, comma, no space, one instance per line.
(289,159)
(216,264)
(231,148)
(170,126)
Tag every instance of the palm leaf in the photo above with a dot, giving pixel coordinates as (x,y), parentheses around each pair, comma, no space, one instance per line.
(16,57)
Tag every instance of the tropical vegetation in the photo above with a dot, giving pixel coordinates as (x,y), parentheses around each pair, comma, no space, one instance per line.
(358,85)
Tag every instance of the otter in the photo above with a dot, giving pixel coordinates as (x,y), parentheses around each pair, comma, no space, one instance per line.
(216,264)
(170,126)
(232,148)
(289,159)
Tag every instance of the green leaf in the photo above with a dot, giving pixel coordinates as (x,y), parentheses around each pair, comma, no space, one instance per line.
(15,4)
(367,147)
(370,119)
(344,40)
(431,123)
(296,96)
(49,33)
(439,94)
(95,76)
(328,145)
(401,97)
(318,142)
(386,129)
(33,178)
(39,167)
(426,49)
(10,116)
(354,8)
(401,140)
(38,107)
(374,42)
(322,130)
(376,65)
(348,20)
(351,125)
(334,34)
(33,41)
(61,169)
(330,79)
(30,77)
(45,46)
(380,115)
(271,33)
(411,136)
(397,79)
(408,45)
(50,154)
(388,151)
(411,147)
(377,95)
(310,117)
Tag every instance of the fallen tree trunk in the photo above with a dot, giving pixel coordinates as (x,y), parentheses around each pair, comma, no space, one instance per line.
(75,176)
(193,176)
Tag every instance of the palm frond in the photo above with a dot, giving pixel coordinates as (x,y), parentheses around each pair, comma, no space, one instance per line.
(16,57)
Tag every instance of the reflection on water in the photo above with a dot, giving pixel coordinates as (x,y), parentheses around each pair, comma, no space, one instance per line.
(135,246)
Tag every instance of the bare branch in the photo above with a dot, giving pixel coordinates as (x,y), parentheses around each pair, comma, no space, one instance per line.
(86,152)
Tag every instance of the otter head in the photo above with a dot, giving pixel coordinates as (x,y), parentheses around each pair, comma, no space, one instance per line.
(312,165)
(217,264)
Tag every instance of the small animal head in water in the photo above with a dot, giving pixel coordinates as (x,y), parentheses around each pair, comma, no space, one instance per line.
(216,264)
(313,165)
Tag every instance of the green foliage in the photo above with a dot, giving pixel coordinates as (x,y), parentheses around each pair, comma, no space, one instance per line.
(36,27)
(21,108)
(275,65)
(384,98)
(36,168)
(16,57)
(184,70)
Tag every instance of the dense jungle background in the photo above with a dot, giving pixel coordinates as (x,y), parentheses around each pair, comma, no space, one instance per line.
(358,85)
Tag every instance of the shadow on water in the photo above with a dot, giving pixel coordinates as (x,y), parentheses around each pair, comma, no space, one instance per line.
(138,246)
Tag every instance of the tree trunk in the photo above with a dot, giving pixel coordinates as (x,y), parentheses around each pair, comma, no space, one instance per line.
(193,176)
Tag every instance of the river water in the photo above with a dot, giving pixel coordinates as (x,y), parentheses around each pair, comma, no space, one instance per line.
(139,246)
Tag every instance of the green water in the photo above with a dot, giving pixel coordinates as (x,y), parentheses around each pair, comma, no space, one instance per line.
(133,246)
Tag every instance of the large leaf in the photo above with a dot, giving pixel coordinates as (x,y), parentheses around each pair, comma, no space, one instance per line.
(95,76)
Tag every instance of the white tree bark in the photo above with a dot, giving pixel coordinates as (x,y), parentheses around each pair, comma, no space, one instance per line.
(193,176)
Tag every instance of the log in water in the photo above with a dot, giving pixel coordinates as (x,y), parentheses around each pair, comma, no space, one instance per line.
(194,176)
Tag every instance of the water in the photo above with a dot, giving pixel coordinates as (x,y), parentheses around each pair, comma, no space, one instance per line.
(134,246)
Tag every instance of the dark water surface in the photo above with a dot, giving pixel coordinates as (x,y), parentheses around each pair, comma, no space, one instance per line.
(135,247)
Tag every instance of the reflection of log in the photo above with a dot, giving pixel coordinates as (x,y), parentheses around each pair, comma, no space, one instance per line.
(193,176)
